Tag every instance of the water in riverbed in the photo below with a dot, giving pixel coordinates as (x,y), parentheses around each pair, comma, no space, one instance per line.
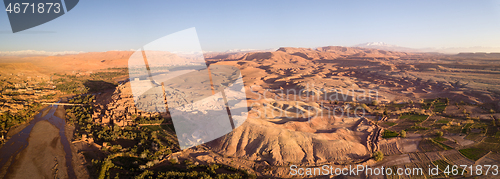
(19,141)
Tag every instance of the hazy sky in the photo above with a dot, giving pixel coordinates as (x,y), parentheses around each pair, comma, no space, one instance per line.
(103,25)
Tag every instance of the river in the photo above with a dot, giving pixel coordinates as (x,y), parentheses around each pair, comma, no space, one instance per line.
(18,142)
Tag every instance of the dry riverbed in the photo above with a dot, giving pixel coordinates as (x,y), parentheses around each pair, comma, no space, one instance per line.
(44,157)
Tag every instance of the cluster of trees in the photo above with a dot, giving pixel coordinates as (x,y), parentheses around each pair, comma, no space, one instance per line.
(389,134)
(147,144)
(198,171)
(378,156)
(426,104)
(149,120)
(95,82)
(146,147)
(72,87)
(402,134)
(108,76)
(9,119)
(81,116)
(105,166)
(83,99)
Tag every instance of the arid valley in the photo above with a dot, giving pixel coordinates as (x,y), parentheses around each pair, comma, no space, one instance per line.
(74,116)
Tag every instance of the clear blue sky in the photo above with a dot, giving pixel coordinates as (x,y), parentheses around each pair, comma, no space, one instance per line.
(103,25)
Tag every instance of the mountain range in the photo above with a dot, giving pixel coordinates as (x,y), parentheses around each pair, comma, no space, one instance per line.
(445,50)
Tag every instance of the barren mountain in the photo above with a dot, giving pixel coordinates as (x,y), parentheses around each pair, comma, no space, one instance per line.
(296,140)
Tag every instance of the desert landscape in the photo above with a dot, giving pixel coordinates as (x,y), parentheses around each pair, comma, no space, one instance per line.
(336,106)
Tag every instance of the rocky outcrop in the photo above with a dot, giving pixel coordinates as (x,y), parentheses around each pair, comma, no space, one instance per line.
(279,146)
(309,140)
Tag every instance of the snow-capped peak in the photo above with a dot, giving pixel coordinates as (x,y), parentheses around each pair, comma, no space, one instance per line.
(374,44)
(384,46)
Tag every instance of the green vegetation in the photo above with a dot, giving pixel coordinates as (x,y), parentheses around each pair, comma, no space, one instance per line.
(442,121)
(134,141)
(441,145)
(440,139)
(437,105)
(72,87)
(474,136)
(492,140)
(452,129)
(473,153)
(416,128)
(109,75)
(50,96)
(414,117)
(440,105)
(366,108)
(152,120)
(8,120)
(492,131)
(378,156)
(389,134)
(428,145)
(196,171)
(403,134)
(439,108)
(106,165)
(442,164)
(95,82)
(447,168)
(398,105)
(390,123)
(131,151)
(427,104)
(466,128)
(153,127)
(439,133)
(488,146)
